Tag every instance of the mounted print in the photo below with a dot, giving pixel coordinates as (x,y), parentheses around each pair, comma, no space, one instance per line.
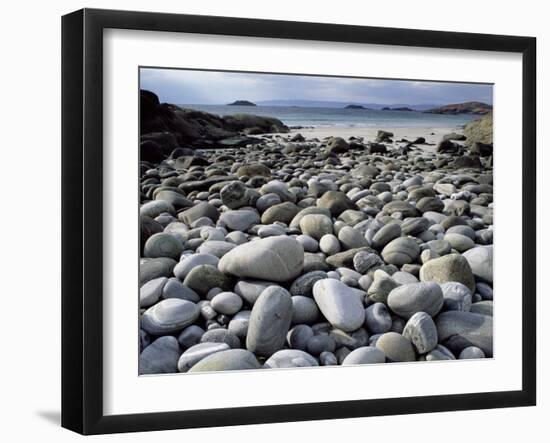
(288,230)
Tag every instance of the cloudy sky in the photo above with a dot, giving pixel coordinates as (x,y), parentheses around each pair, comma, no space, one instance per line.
(213,87)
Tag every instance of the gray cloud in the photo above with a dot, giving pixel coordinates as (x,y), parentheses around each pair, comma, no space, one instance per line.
(213,87)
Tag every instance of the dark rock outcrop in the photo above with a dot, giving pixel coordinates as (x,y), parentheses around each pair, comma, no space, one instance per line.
(478,108)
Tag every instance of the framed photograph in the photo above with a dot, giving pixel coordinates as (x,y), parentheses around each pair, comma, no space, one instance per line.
(269,221)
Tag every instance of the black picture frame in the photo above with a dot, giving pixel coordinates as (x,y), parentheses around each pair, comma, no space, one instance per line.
(82,158)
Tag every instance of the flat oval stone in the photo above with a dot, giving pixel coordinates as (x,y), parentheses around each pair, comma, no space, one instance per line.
(386,234)
(377,318)
(163,245)
(151,268)
(215,247)
(329,244)
(269,321)
(175,289)
(290,358)
(250,290)
(221,335)
(406,300)
(197,352)
(169,316)
(190,336)
(278,259)
(151,291)
(230,360)
(421,331)
(340,304)
(227,303)
(459,242)
(484,307)
(458,330)
(304,310)
(452,267)
(351,238)
(364,355)
(298,336)
(316,225)
(239,220)
(401,251)
(396,347)
(480,260)
(202,278)
(160,357)
(186,264)
(439,353)
(471,352)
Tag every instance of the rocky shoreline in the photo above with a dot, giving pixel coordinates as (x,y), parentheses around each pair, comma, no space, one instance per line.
(299,252)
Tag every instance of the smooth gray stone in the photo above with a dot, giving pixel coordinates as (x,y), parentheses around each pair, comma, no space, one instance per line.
(269,321)
(386,234)
(160,357)
(316,225)
(484,307)
(290,358)
(439,353)
(421,331)
(396,347)
(484,290)
(471,352)
(308,243)
(236,237)
(295,223)
(401,251)
(188,263)
(364,355)
(279,188)
(230,360)
(462,230)
(336,202)
(345,259)
(212,234)
(278,259)
(239,220)
(234,195)
(197,352)
(314,262)
(266,201)
(328,359)
(199,211)
(457,297)
(320,343)
(227,303)
(202,278)
(480,260)
(329,244)
(169,316)
(340,304)
(363,261)
(298,337)
(303,285)
(406,300)
(403,278)
(175,289)
(220,335)
(250,290)
(282,212)
(304,310)
(452,267)
(271,231)
(215,247)
(459,242)
(351,340)
(156,207)
(190,336)
(365,282)
(163,245)
(239,324)
(414,225)
(403,207)
(458,330)
(446,189)
(151,291)
(351,238)
(440,246)
(151,268)
(428,254)
(377,318)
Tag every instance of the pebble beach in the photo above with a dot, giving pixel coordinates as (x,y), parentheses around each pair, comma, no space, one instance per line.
(309,248)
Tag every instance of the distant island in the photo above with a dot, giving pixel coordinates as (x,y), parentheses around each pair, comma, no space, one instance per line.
(401,108)
(477,108)
(355,107)
(241,103)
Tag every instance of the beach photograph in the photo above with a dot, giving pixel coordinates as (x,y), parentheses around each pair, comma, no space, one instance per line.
(302,220)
